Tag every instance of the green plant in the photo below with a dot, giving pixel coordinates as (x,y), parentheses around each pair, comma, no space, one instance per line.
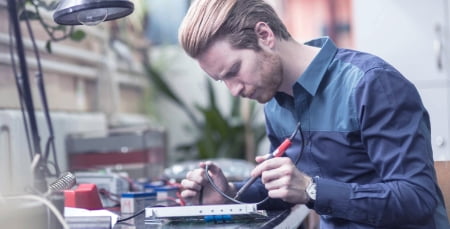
(31,10)
(218,135)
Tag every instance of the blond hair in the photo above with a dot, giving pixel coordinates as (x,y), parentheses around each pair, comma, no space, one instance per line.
(209,20)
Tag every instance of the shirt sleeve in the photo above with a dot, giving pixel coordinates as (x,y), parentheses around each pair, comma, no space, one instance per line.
(395,130)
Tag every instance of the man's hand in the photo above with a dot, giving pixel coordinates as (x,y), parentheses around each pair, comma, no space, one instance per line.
(282,179)
(198,190)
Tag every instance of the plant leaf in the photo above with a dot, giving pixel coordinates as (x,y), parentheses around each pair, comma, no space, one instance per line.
(77,35)
(211,95)
(48,46)
(236,107)
(156,77)
(28,14)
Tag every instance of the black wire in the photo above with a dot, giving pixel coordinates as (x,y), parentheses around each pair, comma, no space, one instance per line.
(302,140)
(45,108)
(38,171)
(297,128)
(217,189)
(132,216)
(136,214)
(18,81)
(275,221)
(26,90)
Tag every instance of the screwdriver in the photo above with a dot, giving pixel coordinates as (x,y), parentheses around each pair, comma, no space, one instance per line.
(278,152)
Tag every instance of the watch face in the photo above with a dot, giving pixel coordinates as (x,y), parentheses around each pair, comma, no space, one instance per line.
(311,190)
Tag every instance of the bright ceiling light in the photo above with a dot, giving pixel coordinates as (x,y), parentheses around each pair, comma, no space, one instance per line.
(91,12)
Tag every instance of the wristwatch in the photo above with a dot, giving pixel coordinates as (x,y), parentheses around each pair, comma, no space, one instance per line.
(311,190)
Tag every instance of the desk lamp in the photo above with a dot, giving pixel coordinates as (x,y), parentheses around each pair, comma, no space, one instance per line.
(91,12)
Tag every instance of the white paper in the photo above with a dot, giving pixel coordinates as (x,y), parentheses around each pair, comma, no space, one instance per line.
(68,211)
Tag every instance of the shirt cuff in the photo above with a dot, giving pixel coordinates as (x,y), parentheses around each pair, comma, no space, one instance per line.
(332,198)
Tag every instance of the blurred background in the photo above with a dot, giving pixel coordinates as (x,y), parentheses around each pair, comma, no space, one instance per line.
(124,97)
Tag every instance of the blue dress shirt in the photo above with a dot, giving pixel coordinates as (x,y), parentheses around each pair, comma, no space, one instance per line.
(367,138)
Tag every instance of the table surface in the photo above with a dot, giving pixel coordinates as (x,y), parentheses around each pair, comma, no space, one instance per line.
(274,218)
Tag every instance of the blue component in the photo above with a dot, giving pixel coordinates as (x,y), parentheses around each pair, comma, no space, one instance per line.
(227,217)
(209,218)
(165,188)
(138,194)
(217,218)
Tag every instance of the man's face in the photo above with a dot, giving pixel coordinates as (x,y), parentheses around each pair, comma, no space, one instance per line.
(247,73)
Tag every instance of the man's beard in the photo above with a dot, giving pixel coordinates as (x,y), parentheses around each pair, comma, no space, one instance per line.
(271,75)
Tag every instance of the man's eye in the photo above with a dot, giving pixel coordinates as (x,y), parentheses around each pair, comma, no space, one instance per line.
(233,71)
(231,74)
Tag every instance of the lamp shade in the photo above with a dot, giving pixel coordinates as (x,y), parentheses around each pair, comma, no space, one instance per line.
(91,12)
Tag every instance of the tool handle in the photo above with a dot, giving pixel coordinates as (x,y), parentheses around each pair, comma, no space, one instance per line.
(245,187)
(281,149)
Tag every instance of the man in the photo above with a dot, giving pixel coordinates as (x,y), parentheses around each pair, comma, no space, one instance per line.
(367,159)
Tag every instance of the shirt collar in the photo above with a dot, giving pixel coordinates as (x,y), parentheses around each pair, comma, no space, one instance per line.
(314,73)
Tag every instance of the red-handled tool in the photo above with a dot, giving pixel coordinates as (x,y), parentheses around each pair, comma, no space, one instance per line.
(278,152)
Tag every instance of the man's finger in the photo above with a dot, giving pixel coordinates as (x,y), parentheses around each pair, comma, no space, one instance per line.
(189,184)
(189,193)
(269,164)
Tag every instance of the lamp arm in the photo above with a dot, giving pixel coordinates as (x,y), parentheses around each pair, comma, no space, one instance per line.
(39,174)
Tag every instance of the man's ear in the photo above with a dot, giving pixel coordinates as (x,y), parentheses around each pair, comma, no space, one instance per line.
(265,34)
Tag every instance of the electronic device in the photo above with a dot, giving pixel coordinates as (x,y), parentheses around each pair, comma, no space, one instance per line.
(109,184)
(140,151)
(204,212)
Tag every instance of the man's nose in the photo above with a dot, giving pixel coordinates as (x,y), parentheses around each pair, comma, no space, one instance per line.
(234,87)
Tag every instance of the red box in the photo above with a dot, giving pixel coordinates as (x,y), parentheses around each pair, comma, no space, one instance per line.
(84,196)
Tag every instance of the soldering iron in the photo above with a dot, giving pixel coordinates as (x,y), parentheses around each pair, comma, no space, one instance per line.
(278,152)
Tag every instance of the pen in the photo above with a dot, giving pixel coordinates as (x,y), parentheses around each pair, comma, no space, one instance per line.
(278,152)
